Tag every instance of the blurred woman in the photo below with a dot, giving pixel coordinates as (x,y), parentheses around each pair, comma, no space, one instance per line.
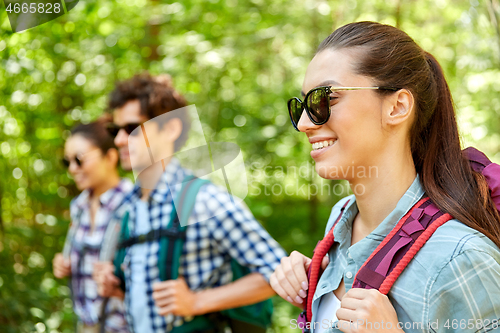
(92,159)
(378,112)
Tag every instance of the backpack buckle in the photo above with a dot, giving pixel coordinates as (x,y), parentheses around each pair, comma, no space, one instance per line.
(141,238)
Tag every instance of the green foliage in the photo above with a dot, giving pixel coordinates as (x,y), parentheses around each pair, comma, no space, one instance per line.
(238,61)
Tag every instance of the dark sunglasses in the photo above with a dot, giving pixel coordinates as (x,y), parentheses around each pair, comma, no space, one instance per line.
(317,104)
(79,160)
(67,161)
(113,129)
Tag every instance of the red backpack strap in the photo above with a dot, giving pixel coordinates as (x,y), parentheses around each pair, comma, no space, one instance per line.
(391,257)
(302,319)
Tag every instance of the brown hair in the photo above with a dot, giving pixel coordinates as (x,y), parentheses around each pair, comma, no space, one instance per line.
(392,58)
(96,133)
(157,96)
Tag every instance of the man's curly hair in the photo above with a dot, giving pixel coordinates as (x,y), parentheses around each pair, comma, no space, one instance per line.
(157,96)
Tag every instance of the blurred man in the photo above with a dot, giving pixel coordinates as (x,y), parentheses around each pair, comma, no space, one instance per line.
(205,282)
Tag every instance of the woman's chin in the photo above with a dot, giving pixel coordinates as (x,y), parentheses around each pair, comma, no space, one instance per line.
(327,171)
(83,185)
(335,170)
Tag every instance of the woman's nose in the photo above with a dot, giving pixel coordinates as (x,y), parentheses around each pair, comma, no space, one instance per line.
(305,123)
(73,168)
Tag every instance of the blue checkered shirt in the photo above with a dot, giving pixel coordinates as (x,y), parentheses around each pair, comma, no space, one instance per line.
(209,246)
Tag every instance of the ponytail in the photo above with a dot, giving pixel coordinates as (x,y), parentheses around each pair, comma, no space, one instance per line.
(447,175)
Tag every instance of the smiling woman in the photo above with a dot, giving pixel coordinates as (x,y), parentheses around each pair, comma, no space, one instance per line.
(375,99)
(92,161)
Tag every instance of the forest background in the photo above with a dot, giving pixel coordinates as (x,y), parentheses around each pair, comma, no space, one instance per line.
(238,61)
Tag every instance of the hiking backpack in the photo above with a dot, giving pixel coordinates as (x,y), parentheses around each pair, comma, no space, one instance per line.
(172,240)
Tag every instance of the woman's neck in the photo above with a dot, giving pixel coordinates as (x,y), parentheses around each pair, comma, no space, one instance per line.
(108,183)
(378,194)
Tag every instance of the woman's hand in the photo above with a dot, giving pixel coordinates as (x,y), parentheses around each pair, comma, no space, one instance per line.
(366,310)
(108,285)
(289,280)
(61,266)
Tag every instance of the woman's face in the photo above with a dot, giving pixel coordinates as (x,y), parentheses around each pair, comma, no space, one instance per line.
(95,166)
(355,123)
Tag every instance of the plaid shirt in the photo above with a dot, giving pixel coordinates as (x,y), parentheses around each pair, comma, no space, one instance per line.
(452,283)
(85,248)
(209,246)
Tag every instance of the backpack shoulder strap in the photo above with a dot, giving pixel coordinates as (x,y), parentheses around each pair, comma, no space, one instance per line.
(121,251)
(302,319)
(171,247)
(391,257)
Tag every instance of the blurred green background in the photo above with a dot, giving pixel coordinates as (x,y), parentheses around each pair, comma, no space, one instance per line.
(238,61)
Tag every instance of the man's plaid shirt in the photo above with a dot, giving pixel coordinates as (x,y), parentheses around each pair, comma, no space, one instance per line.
(210,244)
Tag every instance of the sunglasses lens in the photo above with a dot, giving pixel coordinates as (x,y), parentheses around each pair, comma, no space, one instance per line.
(129,128)
(318,105)
(295,110)
(113,130)
(78,161)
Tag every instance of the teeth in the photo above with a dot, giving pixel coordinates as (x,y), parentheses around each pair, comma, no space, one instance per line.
(322,144)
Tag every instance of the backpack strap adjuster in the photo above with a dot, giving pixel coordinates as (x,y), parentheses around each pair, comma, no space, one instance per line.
(141,238)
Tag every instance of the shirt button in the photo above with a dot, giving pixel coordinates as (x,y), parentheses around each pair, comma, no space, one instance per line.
(348,275)
(323,286)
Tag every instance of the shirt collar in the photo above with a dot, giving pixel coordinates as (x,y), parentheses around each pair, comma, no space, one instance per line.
(106,199)
(343,230)
(82,200)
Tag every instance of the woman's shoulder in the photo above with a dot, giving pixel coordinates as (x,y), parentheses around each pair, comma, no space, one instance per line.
(463,267)
(455,243)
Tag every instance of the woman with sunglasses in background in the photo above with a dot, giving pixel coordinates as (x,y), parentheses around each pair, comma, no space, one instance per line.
(375,101)
(92,159)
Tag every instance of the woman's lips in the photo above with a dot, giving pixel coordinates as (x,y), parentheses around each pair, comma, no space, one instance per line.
(318,152)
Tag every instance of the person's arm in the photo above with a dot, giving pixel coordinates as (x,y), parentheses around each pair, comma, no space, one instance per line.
(247,242)
(250,289)
(175,297)
(465,296)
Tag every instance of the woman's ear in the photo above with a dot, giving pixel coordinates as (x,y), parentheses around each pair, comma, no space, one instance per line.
(398,108)
(113,157)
